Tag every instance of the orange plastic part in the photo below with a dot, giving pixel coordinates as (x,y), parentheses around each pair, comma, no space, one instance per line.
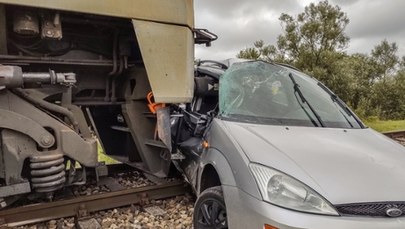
(152,105)
(205,144)
(267,226)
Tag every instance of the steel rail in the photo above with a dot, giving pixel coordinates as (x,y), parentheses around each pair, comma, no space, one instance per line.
(73,207)
(395,134)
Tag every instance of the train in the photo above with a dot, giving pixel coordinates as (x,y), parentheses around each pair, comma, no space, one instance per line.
(77,75)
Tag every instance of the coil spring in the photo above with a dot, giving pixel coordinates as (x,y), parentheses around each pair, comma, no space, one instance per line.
(47,172)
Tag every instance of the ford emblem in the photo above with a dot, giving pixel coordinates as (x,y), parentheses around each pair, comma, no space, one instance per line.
(393,212)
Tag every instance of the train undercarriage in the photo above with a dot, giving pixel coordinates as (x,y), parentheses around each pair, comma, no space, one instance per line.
(71,81)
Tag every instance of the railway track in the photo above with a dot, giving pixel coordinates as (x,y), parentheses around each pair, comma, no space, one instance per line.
(395,134)
(82,206)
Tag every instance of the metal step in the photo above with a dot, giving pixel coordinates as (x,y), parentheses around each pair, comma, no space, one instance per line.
(149,115)
(151,142)
(121,128)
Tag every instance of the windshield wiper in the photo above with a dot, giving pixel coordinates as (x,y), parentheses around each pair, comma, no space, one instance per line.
(342,105)
(304,100)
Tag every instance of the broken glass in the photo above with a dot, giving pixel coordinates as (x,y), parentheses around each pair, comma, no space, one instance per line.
(261,92)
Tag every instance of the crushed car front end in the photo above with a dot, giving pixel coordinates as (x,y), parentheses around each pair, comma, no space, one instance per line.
(290,154)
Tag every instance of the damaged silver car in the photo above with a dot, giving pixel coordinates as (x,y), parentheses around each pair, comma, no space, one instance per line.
(266,146)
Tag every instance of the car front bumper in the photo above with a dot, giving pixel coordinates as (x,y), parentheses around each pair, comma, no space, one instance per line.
(246,211)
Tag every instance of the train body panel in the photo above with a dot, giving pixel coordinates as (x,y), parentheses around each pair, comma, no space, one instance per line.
(178,12)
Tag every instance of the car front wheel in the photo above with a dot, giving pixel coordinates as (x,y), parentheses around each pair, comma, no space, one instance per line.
(210,210)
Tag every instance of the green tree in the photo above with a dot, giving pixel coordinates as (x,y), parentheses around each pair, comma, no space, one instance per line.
(351,78)
(315,42)
(388,80)
(315,38)
(312,41)
(388,98)
(260,51)
(385,59)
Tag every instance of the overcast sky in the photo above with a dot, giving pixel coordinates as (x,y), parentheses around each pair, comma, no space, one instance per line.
(239,23)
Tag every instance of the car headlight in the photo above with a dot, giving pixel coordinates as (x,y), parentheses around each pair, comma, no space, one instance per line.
(280,189)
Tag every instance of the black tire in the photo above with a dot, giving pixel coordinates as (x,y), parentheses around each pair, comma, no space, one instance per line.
(210,210)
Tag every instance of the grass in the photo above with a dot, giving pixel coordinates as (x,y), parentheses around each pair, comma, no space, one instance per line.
(384,126)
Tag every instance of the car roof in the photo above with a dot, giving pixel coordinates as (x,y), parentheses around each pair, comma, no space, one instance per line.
(217,68)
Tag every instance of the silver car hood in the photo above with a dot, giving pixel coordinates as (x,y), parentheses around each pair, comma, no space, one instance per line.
(344,166)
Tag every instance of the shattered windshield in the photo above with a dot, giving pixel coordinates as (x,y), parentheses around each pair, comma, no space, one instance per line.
(261,92)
